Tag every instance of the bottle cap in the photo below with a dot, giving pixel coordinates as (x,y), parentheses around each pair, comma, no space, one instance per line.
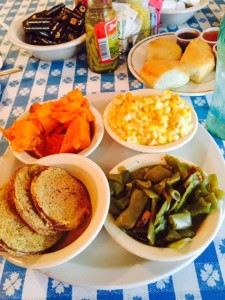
(99,3)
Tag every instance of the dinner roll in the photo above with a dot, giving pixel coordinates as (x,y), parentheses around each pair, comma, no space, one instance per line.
(199,59)
(164,74)
(162,48)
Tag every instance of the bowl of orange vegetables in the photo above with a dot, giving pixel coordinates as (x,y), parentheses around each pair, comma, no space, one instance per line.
(66,125)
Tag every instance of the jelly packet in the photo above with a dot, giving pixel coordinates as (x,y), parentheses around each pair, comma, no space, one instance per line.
(122,12)
(155,7)
(129,24)
(136,20)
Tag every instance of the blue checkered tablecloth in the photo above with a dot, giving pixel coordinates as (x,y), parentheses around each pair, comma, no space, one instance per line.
(204,278)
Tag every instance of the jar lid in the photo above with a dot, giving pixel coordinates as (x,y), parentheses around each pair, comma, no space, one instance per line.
(99,3)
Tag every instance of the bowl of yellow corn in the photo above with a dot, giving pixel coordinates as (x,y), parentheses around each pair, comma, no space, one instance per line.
(150,121)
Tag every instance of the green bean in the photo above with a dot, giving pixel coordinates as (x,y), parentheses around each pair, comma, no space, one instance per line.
(190,184)
(178,166)
(180,221)
(210,182)
(151,194)
(172,236)
(212,200)
(93,50)
(128,218)
(151,226)
(175,178)
(218,193)
(89,36)
(91,63)
(114,209)
(122,203)
(160,187)
(96,61)
(177,203)
(157,174)
(164,208)
(174,194)
(161,226)
(188,232)
(143,184)
(180,243)
(199,207)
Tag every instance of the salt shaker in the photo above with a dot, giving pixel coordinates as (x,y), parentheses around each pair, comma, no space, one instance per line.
(215,121)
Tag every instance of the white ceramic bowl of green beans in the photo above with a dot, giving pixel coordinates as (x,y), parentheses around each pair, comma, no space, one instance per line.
(168,212)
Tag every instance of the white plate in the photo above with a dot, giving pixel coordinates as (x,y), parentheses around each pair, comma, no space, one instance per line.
(136,59)
(104,264)
(150,149)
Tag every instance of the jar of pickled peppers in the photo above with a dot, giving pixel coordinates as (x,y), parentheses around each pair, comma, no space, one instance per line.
(101,36)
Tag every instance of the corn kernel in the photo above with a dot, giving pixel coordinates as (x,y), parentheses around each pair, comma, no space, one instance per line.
(150,120)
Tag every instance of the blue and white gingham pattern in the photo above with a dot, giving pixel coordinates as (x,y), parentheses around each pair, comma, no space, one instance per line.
(202,279)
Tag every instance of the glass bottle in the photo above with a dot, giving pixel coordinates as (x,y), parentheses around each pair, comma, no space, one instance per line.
(101,36)
(215,121)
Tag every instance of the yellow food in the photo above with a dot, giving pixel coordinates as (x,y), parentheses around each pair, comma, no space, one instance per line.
(150,120)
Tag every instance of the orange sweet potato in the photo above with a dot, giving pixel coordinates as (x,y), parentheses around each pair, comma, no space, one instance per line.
(53,143)
(24,135)
(77,136)
(76,96)
(53,127)
(43,114)
(34,107)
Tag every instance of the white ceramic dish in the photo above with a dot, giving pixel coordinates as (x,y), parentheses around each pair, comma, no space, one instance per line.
(136,59)
(25,157)
(150,149)
(207,231)
(96,183)
(172,17)
(105,264)
(48,53)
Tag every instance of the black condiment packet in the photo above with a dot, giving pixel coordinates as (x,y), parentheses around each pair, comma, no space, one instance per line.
(56,25)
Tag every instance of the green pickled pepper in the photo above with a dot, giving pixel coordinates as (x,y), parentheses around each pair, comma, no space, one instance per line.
(102,43)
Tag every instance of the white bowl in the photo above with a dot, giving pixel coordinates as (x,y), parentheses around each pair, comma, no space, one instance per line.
(96,183)
(177,17)
(26,158)
(202,239)
(150,149)
(49,53)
